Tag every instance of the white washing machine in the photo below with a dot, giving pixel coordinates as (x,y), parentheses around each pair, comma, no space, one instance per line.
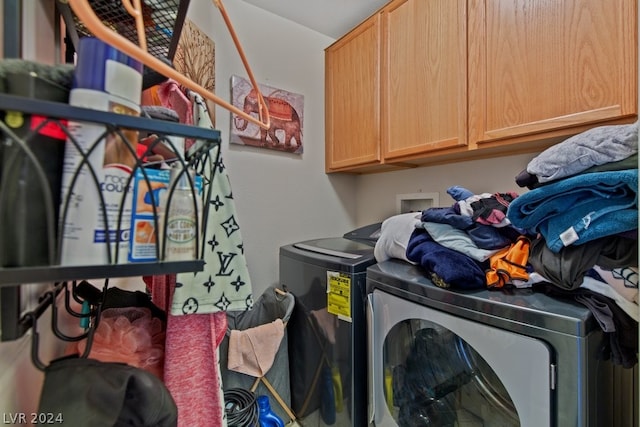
(482,358)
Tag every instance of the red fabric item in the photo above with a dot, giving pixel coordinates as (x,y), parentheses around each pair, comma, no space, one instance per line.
(191,367)
(191,371)
(161,289)
(172,96)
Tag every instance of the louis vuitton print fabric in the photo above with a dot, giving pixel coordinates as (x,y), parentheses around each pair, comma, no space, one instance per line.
(224,283)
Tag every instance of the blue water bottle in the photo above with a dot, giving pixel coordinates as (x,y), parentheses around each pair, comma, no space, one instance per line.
(266,416)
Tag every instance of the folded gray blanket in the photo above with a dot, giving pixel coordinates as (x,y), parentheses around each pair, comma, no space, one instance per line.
(595,146)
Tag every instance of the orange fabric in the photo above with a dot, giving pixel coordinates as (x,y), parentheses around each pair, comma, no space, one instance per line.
(509,264)
(151,97)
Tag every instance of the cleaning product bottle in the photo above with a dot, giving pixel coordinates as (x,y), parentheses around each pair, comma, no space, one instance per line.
(96,195)
(266,416)
(178,215)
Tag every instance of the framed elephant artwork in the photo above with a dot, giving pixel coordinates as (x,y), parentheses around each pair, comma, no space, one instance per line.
(286,111)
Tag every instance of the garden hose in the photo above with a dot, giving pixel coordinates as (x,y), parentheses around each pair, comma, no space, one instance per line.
(241,408)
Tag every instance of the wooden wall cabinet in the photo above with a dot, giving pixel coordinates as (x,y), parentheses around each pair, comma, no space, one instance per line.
(352,98)
(424,81)
(549,69)
(434,81)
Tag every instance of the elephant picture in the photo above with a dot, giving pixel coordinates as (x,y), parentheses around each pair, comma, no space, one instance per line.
(285,112)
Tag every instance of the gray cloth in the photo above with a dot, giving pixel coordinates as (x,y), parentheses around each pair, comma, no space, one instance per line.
(160,113)
(457,240)
(567,268)
(525,179)
(593,147)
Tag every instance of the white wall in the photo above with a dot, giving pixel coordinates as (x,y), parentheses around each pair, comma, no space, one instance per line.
(376,193)
(39,31)
(280,198)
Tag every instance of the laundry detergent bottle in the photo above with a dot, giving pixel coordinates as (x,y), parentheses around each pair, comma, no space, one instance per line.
(266,416)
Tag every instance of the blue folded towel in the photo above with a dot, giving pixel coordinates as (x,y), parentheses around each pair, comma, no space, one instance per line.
(579,209)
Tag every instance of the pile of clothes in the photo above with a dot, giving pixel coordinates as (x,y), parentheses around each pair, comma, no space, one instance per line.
(573,235)
(583,207)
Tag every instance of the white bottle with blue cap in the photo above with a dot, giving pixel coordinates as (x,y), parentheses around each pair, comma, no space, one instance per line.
(107,80)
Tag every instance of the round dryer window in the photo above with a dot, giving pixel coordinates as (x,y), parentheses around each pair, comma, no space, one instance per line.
(430,368)
(434,377)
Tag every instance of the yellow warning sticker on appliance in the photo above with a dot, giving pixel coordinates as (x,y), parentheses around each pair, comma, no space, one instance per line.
(339,294)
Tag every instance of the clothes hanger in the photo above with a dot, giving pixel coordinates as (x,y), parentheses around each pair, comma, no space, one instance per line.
(48,300)
(85,13)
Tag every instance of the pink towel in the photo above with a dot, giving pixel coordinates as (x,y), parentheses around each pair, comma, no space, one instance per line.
(172,96)
(191,371)
(253,350)
(161,290)
(191,364)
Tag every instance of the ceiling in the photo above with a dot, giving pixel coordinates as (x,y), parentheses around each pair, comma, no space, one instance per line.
(333,18)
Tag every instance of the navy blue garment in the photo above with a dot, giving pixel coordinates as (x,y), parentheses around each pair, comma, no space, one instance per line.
(447,267)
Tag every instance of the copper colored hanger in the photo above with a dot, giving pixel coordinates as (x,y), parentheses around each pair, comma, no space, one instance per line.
(85,13)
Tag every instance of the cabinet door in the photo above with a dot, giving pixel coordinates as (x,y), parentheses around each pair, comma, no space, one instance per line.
(353,98)
(546,68)
(424,76)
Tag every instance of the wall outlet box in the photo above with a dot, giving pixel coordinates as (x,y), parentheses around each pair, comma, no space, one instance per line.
(416,202)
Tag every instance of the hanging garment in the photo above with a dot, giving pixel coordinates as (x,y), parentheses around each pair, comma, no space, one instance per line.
(224,284)
(197,303)
(191,371)
(192,345)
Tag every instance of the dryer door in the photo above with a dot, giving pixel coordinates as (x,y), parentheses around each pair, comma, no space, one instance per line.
(430,368)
